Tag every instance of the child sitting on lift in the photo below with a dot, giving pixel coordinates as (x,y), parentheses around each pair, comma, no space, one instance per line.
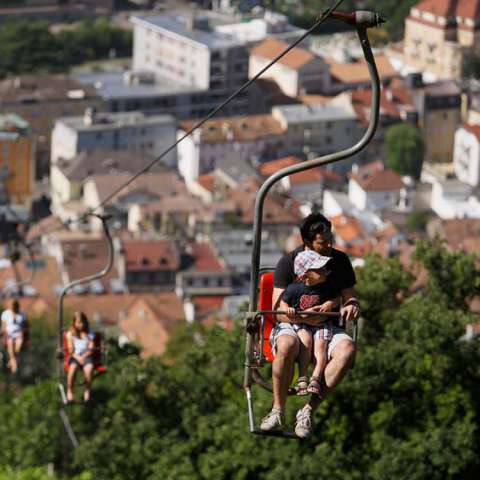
(312,290)
(14,329)
(80,348)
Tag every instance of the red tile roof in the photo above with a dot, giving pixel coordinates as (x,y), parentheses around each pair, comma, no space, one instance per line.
(85,254)
(236,129)
(151,255)
(269,168)
(357,72)
(205,259)
(207,306)
(393,101)
(468,9)
(441,8)
(207,181)
(277,209)
(151,320)
(294,59)
(318,175)
(475,129)
(376,177)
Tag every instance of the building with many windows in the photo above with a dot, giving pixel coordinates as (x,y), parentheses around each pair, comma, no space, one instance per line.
(17,160)
(441,34)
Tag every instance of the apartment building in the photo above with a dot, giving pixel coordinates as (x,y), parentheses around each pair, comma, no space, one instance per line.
(114,131)
(17,160)
(440,34)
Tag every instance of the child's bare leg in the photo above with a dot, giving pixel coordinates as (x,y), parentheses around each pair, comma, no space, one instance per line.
(320,354)
(304,355)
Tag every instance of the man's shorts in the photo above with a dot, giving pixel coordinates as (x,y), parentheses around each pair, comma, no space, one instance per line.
(285,328)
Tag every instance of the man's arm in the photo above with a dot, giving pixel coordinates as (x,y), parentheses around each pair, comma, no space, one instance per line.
(351,307)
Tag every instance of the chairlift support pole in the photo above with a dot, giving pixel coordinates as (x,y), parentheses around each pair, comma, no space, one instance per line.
(362,20)
(65,290)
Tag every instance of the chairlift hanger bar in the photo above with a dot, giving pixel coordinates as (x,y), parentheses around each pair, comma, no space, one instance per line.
(19,283)
(321,18)
(362,21)
(88,278)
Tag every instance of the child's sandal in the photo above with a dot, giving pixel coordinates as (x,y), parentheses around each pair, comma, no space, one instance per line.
(314,387)
(302,386)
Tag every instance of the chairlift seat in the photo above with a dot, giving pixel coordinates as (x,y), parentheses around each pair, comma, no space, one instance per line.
(98,364)
(265,303)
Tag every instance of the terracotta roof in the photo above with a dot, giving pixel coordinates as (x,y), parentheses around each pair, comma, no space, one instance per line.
(357,72)
(441,8)
(42,88)
(207,306)
(151,321)
(277,209)
(315,175)
(295,58)
(347,228)
(151,255)
(376,177)
(204,258)
(269,168)
(475,129)
(45,277)
(85,254)
(172,204)
(207,181)
(394,100)
(462,234)
(236,129)
(468,9)
(108,307)
(156,185)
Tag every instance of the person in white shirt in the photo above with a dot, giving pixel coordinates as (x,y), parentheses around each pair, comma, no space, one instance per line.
(80,349)
(14,330)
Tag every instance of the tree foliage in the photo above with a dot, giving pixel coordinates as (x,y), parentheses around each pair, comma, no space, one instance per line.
(408,410)
(31,47)
(404,149)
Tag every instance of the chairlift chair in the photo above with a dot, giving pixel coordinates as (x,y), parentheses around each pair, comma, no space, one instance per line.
(260,317)
(99,352)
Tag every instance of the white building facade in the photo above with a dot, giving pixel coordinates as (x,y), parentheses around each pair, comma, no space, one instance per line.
(114,131)
(466,154)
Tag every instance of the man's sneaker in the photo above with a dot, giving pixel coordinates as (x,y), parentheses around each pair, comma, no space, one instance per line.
(303,425)
(273,420)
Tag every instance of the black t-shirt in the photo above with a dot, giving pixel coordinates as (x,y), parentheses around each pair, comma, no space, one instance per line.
(340,272)
(301,296)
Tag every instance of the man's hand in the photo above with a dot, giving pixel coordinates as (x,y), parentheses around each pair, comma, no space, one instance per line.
(350,311)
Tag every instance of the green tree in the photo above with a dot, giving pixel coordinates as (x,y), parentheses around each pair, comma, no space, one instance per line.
(454,275)
(404,148)
(408,410)
(417,221)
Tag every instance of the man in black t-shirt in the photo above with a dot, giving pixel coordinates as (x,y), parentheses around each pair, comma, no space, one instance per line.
(316,235)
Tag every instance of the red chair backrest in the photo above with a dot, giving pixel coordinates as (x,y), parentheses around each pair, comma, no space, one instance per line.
(96,355)
(265,303)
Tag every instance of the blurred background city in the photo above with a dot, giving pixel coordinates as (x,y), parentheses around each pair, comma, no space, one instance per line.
(92,92)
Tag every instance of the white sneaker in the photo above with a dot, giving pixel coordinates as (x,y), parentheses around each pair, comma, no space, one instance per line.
(303,425)
(273,420)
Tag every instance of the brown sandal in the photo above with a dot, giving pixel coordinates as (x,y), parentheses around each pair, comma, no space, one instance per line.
(314,387)
(302,386)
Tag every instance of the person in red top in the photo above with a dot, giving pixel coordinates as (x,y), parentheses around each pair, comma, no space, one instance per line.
(316,235)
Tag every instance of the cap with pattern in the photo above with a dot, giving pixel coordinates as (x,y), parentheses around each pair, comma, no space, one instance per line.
(309,260)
